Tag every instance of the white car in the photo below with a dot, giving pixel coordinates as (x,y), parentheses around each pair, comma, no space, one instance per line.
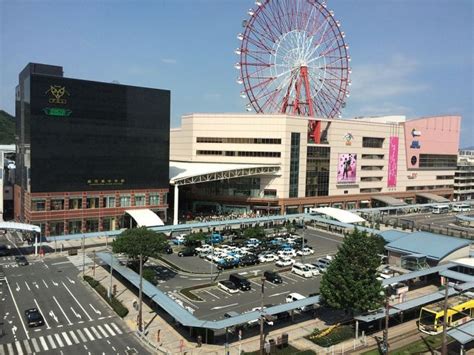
(313,269)
(301,270)
(285,261)
(287,252)
(256,321)
(204,247)
(228,286)
(267,258)
(305,252)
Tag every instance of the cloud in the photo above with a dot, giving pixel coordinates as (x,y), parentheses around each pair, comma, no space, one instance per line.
(386,80)
(168,60)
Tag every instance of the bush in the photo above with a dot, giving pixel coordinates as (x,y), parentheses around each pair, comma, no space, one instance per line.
(149,275)
(336,336)
(116,305)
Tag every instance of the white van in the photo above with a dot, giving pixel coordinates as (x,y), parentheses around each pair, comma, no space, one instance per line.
(292,297)
(301,270)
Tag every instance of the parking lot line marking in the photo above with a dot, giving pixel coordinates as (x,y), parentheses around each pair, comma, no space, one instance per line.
(51,342)
(75,299)
(279,294)
(103,331)
(68,341)
(18,347)
(61,308)
(81,335)
(110,329)
(224,292)
(27,346)
(18,311)
(27,286)
(117,329)
(35,345)
(256,283)
(88,333)
(96,333)
(212,294)
(10,348)
(45,284)
(74,337)
(43,343)
(59,340)
(44,318)
(289,278)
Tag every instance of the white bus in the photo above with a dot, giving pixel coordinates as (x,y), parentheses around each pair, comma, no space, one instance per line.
(461,207)
(440,209)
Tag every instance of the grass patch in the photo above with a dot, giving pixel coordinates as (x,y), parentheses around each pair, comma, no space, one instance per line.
(116,305)
(331,336)
(289,350)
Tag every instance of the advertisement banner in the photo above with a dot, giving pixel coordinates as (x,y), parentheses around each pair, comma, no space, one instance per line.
(392,162)
(347,168)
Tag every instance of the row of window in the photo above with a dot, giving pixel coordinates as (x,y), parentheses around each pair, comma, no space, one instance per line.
(371,178)
(444,177)
(76,203)
(438,161)
(371,167)
(373,189)
(238,140)
(372,156)
(372,142)
(228,153)
(433,187)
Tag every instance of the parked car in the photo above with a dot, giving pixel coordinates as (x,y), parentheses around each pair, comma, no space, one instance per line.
(34,317)
(21,260)
(301,270)
(204,248)
(292,297)
(305,251)
(249,259)
(285,261)
(228,286)
(227,263)
(263,258)
(240,281)
(4,251)
(215,238)
(168,249)
(269,320)
(273,277)
(187,252)
(313,269)
(291,253)
(178,240)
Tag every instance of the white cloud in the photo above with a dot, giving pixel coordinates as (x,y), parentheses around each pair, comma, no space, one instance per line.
(385,80)
(169,60)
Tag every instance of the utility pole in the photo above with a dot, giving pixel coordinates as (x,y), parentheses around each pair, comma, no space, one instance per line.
(83,255)
(444,348)
(140,329)
(111,272)
(262,294)
(93,268)
(387,318)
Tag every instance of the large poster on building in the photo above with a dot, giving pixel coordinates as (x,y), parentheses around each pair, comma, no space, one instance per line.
(392,162)
(347,168)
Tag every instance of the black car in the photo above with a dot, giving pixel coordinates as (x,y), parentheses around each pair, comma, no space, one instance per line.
(187,252)
(249,259)
(4,251)
(272,276)
(34,317)
(168,249)
(21,260)
(240,281)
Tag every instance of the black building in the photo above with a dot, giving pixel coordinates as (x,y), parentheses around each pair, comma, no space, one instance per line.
(92,140)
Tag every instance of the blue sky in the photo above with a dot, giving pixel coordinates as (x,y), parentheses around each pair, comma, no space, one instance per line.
(412,57)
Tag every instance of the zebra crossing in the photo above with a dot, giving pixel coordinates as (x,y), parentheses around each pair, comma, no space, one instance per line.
(61,339)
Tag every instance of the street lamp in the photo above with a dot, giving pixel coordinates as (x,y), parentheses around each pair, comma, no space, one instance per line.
(386,293)
(262,294)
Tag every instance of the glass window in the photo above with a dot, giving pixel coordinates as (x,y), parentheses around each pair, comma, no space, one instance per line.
(294,164)
(109,201)
(154,199)
(372,142)
(92,202)
(38,205)
(139,200)
(56,228)
(92,225)
(75,203)
(317,171)
(109,224)
(437,161)
(74,226)
(125,201)
(57,204)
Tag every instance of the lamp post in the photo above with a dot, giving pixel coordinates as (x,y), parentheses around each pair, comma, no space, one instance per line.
(262,294)
(386,294)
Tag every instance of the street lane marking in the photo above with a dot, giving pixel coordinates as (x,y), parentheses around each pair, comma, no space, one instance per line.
(62,262)
(59,340)
(256,283)
(212,294)
(83,338)
(18,311)
(45,320)
(289,278)
(27,346)
(35,345)
(27,286)
(109,329)
(18,347)
(117,329)
(43,343)
(68,341)
(96,333)
(220,307)
(75,299)
(74,337)
(51,341)
(61,308)
(88,333)
(103,331)
(45,284)
(10,348)
(279,294)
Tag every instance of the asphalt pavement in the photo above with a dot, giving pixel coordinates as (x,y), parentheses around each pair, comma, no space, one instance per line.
(76,320)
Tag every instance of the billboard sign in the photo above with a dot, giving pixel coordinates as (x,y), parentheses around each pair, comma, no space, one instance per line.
(347,168)
(392,162)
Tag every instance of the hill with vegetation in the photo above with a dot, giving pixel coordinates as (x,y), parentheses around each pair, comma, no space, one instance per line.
(7,128)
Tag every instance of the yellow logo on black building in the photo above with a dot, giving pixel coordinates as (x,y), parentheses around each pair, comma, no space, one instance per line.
(57,92)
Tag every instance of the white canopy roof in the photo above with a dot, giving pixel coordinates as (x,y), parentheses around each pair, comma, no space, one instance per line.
(338,214)
(182,173)
(20,226)
(145,217)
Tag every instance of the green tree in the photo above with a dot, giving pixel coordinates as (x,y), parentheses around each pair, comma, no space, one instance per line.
(254,232)
(139,244)
(350,283)
(194,239)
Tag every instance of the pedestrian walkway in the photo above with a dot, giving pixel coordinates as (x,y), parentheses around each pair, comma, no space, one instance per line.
(61,340)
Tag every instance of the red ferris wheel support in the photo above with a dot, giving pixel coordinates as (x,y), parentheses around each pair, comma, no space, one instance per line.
(302,105)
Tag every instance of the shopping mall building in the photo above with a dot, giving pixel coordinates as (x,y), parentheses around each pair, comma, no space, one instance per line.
(88,154)
(265,164)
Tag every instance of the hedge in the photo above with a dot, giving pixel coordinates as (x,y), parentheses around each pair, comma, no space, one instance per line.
(116,305)
(336,336)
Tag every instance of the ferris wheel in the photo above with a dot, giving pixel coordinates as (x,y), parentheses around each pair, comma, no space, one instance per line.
(293,59)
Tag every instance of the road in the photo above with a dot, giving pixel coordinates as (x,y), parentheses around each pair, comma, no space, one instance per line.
(76,320)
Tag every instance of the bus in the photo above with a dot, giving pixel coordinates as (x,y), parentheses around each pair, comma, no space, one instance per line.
(440,209)
(460,310)
(461,207)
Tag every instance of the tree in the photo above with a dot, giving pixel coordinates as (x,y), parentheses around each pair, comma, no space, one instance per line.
(254,232)
(350,283)
(194,239)
(139,244)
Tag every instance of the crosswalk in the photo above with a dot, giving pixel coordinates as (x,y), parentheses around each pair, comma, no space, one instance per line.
(61,339)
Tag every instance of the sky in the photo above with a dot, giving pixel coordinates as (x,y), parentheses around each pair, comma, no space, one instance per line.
(410,57)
